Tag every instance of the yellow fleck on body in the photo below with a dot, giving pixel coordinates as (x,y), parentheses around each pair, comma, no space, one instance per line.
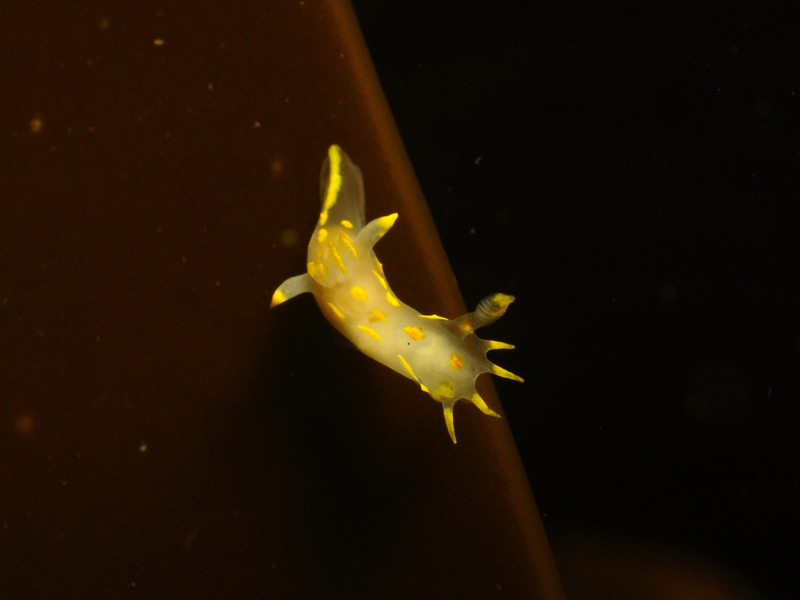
(322,272)
(407,367)
(336,311)
(359,293)
(445,391)
(370,332)
(435,317)
(347,243)
(415,333)
(381,279)
(334,252)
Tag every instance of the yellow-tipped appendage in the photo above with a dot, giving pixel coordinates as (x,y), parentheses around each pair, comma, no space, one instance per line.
(448,420)
(484,408)
(501,372)
(277,298)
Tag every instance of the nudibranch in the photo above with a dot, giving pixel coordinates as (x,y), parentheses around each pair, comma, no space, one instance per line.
(443,356)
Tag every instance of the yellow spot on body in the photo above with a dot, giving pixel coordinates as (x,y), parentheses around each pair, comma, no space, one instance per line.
(466,327)
(310,269)
(322,272)
(370,332)
(359,293)
(347,242)
(456,362)
(378,315)
(445,391)
(337,257)
(391,299)
(346,223)
(407,367)
(336,310)
(158,42)
(322,235)
(415,333)
(436,317)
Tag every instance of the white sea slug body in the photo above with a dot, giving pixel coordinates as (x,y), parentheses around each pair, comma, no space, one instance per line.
(443,356)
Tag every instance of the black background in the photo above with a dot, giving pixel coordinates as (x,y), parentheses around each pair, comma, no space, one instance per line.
(630,174)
